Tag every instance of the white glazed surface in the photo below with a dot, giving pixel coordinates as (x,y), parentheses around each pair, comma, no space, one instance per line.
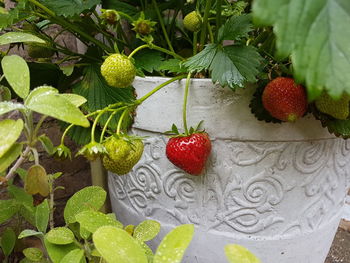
(277,189)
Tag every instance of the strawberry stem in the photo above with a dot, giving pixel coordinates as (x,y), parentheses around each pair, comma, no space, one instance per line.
(137,50)
(184,111)
(121,120)
(204,24)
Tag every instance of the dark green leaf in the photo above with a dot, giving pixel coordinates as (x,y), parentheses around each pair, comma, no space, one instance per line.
(173,66)
(5,93)
(42,216)
(316,35)
(202,60)
(235,28)
(68,7)
(120,6)
(338,127)
(8,241)
(15,37)
(10,156)
(148,60)
(20,195)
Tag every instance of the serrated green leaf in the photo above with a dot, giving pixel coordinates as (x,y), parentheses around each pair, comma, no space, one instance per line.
(75,99)
(68,8)
(74,256)
(46,101)
(7,106)
(15,37)
(16,72)
(29,233)
(10,130)
(92,220)
(148,60)
(10,156)
(47,144)
(58,252)
(202,60)
(117,246)
(60,236)
(33,254)
(239,254)
(340,128)
(172,65)
(146,230)
(42,216)
(174,245)
(315,34)
(89,198)
(235,28)
(8,241)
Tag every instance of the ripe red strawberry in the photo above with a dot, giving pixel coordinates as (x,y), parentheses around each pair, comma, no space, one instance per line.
(284,99)
(189,153)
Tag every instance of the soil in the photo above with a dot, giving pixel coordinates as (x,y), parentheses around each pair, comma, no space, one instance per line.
(340,250)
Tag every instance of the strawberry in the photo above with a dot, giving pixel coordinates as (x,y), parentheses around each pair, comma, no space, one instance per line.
(193,21)
(118,71)
(189,153)
(338,109)
(284,99)
(123,154)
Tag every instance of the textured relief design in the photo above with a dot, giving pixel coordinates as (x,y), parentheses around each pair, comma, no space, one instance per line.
(256,188)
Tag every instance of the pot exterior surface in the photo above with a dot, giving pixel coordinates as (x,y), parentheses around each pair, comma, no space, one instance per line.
(277,189)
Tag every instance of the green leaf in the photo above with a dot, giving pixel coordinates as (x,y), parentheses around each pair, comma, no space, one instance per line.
(67,70)
(13,15)
(89,198)
(7,106)
(29,233)
(46,101)
(74,256)
(340,128)
(8,241)
(68,7)
(202,60)
(10,131)
(172,65)
(148,251)
(148,60)
(5,94)
(235,28)
(239,254)
(42,216)
(315,34)
(58,252)
(60,236)
(46,143)
(10,156)
(16,72)
(174,245)
(117,246)
(15,37)
(147,230)
(33,254)
(120,6)
(22,173)
(75,99)
(20,195)
(92,220)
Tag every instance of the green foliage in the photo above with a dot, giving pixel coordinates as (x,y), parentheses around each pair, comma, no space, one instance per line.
(29,233)
(10,156)
(7,106)
(10,130)
(60,236)
(33,254)
(92,220)
(316,37)
(76,255)
(146,230)
(58,252)
(239,254)
(8,241)
(235,28)
(69,8)
(15,37)
(148,60)
(42,216)
(12,16)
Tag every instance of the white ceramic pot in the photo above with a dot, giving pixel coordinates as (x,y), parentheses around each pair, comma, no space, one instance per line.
(277,189)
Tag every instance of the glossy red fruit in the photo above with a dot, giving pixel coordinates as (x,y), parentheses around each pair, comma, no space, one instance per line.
(189,153)
(284,99)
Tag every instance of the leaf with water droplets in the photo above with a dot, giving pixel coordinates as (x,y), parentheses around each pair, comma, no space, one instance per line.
(10,130)
(16,37)
(89,198)
(7,106)
(58,252)
(60,236)
(174,245)
(239,254)
(146,230)
(117,246)
(16,72)
(92,220)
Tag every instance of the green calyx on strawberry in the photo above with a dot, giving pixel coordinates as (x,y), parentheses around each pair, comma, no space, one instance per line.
(338,109)
(92,151)
(62,152)
(110,16)
(193,21)
(143,26)
(189,151)
(118,71)
(284,99)
(123,152)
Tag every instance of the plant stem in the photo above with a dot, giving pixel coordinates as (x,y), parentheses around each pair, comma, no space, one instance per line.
(36,156)
(51,203)
(184,109)
(121,120)
(195,42)
(18,163)
(137,50)
(125,15)
(37,127)
(65,132)
(171,53)
(211,36)
(218,17)
(106,125)
(161,21)
(95,124)
(139,101)
(204,25)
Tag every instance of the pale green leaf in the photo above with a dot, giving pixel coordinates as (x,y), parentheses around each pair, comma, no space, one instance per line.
(60,236)
(10,130)
(10,156)
(239,254)
(174,245)
(47,144)
(42,216)
(117,246)
(40,91)
(75,99)
(29,233)
(67,70)
(316,35)
(7,106)
(74,256)
(33,254)
(89,198)
(15,37)
(7,209)
(58,252)
(16,72)
(8,241)
(147,230)
(92,220)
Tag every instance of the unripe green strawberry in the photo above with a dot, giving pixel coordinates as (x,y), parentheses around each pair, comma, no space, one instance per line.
(122,154)
(118,71)
(193,21)
(40,51)
(338,109)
